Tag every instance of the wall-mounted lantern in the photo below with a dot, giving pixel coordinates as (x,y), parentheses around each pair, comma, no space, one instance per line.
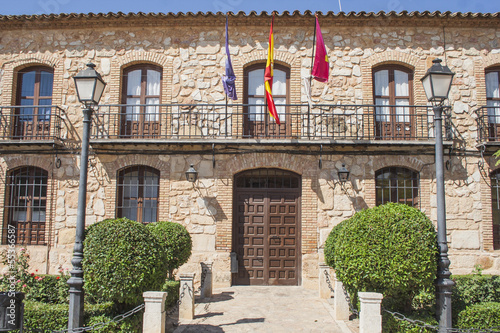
(343,174)
(191,174)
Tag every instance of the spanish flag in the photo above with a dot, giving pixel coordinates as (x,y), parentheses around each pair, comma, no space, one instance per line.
(268,76)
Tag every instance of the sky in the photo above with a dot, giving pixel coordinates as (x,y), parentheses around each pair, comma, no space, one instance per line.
(29,7)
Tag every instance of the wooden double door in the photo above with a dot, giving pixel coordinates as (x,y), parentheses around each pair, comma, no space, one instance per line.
(267,236)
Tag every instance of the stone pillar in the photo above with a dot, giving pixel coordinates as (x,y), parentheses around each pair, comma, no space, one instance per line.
(324,289)
(186,295)
(206,275)
(154,312)
(340,303)
(370,317)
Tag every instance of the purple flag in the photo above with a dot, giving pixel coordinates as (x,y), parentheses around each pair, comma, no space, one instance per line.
(229,78)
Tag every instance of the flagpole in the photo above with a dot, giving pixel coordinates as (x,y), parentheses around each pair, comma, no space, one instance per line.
(227,16)
(310,79)
(226,115)
(313,48)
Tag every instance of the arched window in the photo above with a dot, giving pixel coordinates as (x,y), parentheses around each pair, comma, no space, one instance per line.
(258,123)
(392,93)
(138,189)
(397,184)
(267,178)
(26,202)
(141,94)
(34,93)
(495,203)
(493,101)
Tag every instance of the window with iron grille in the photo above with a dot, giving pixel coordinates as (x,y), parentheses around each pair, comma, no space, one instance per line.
(26,202)
(495,202)
(267,178)
(138,189)
(397,184)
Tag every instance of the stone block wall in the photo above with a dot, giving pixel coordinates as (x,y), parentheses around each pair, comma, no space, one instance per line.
(192,55)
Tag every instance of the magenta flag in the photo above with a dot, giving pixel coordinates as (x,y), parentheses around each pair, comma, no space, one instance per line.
(321,65)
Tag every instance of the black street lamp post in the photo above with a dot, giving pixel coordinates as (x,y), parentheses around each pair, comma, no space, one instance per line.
(89,87)
(437,84)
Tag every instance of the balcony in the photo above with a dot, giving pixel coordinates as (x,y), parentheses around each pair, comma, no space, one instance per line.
(30,126)
(488,125)
(248,123)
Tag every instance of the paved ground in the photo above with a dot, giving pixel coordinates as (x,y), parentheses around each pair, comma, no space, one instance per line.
(263,309)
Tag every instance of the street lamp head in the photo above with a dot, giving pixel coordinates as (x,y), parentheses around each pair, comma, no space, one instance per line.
(437,82)
(89,85)
(191,174)
(343,174)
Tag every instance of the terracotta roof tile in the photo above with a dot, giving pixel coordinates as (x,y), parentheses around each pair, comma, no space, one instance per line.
(350,17)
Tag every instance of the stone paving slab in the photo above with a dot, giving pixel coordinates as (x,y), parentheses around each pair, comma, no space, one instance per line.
(262,309)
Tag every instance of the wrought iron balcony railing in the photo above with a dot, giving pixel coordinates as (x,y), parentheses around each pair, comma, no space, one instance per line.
(488,123)
(244,121)
(41,122)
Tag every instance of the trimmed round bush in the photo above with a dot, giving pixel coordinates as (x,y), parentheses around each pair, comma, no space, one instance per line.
(122,259)
(330,245)
(389,249)
(481,315)
(175,240)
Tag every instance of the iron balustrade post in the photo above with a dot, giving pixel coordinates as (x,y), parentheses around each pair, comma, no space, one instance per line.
(443,282)
(76,293)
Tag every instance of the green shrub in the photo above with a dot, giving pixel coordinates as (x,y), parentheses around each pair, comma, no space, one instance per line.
(36,287)
(48,289)
(330,245)
(49,317)
(122,259)
(425,299)
(132,324)
(393,325)
(46,316)
(472,289)
(481,315)
(175,240)
(172,288)
(389,249)
(18,274)
(99,309)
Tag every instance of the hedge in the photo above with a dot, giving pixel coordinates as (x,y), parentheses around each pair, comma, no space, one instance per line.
(49,317)
(472,289)
(393,325)
(172,288)
(481,315)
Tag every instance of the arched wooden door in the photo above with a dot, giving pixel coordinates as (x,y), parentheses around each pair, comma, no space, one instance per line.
(266,227)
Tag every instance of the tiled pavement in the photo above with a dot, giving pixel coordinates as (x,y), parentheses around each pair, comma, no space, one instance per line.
(263,309)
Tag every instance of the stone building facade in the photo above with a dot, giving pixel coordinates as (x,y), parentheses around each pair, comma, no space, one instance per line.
(270,194)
